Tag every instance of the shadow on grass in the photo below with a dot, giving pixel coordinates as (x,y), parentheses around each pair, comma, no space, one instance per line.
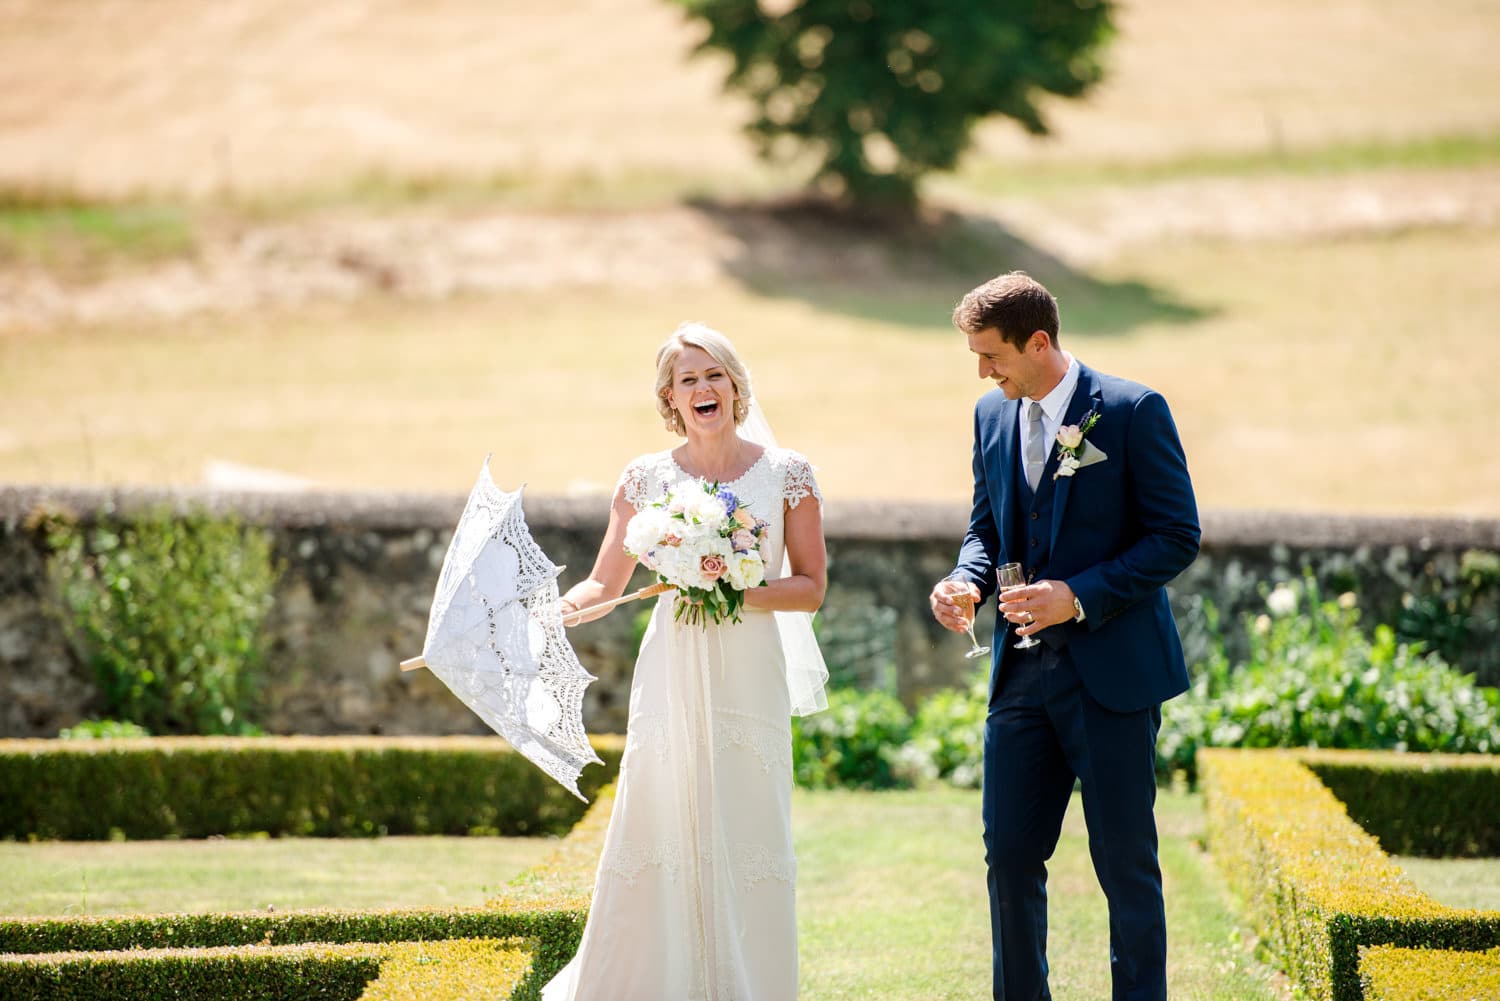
(911,270)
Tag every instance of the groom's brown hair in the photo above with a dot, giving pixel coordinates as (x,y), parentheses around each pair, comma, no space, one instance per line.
(1016,304)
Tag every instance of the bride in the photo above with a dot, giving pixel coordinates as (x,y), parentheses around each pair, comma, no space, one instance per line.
(694,899)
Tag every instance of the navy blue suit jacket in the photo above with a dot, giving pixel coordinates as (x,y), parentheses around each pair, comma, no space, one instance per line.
(1121,530)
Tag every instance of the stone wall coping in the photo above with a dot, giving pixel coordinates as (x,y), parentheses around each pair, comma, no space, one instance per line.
(375,510)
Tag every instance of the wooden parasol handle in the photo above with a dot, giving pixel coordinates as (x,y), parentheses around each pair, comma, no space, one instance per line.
(651,590)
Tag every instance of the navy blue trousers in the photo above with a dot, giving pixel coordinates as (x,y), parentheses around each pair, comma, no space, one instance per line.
(1043,731)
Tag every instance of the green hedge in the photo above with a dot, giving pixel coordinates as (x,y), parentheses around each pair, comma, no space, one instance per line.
(1391,974)
(1317,887)
(1436,805)
(546,906)
(194,787)
(452,971)
(430,971)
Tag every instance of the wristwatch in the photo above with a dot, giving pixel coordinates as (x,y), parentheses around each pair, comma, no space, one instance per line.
(1077,609)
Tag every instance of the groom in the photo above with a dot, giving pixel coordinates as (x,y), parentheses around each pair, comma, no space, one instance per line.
(1101,522)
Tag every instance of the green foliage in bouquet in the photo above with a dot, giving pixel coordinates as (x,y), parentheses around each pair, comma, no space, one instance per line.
(167,609)
(1313,678)
(881,93)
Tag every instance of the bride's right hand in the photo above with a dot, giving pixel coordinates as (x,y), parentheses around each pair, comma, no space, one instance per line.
(949,606)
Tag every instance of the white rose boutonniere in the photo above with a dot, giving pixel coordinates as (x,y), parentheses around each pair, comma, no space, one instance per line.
(1073,452)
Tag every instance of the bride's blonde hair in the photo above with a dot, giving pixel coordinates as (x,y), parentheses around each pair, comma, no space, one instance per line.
(717,347)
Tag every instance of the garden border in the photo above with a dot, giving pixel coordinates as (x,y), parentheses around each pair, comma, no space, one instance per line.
(194,787)
(1318,888)
(546,906)
(367,971)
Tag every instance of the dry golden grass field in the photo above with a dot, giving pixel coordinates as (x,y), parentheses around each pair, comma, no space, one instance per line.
(365,243)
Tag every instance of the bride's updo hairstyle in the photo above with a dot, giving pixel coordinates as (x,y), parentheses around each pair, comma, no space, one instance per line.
(717,347)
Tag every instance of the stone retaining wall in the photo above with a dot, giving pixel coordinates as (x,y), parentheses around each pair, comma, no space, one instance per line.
(359,571)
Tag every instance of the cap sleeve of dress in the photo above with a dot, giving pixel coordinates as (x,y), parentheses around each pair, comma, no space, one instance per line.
(635,482)
(798,482)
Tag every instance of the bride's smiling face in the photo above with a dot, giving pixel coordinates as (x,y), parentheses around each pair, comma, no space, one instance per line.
(702,391)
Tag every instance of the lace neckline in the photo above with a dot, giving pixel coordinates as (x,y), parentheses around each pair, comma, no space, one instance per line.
(672,458)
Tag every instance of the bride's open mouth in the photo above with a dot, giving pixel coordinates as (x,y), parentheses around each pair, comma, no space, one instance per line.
(707,408)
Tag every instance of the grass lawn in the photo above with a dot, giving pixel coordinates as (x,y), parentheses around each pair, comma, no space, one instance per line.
(891,895)
(235,874)
(892,904)
(1460,882)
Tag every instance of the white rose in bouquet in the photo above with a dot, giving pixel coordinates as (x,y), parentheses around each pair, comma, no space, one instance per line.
(649,528)
(746,570)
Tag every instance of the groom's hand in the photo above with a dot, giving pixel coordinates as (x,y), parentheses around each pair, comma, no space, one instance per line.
(1036,606)
(948,603)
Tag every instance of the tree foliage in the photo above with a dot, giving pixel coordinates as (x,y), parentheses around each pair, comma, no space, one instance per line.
(885,92)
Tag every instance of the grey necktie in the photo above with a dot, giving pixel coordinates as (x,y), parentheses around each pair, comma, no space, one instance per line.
(1036,455)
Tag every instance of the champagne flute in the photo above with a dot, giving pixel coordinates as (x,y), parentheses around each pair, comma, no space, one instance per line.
(966,602)
(1009,577)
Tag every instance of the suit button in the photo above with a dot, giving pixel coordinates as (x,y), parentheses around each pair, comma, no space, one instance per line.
(1034,516)
(1033,543)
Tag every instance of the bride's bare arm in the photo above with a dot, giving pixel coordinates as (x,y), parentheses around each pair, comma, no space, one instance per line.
(612,567)
(802,590)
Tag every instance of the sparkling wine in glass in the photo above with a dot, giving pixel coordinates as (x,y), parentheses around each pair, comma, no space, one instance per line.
(1009,576)
(966,602)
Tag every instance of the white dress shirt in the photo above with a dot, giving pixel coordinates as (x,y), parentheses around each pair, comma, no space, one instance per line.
(1054,407)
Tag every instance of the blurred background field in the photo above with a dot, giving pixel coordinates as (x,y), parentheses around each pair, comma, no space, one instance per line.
(367,244)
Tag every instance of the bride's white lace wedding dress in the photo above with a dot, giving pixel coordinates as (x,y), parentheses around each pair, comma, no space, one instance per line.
(695,899)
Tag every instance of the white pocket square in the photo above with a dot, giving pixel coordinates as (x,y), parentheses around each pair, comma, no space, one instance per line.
(1088,454)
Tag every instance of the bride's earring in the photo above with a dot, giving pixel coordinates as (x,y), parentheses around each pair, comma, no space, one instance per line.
(741,411)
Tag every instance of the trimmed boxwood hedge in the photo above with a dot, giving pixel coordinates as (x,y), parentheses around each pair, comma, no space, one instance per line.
(555,922)
(451,971)
(1435,805)
(1391,974)
(430,971)
(1317,887)
(546,906)
(195,787)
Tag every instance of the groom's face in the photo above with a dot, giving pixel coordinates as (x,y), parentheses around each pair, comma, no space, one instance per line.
(1014,370)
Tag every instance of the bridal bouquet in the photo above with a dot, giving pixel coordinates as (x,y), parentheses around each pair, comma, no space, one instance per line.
(702,540)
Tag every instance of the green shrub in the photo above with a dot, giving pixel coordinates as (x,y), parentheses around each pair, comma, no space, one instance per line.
(195,787)
(102,729)
(1314,679)
(456,970)
(251,973)
(430,971)
(949,732)
(883,92)
(1318,888)
(1391,974)
(167,610)
(1446,616)
(853,744)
